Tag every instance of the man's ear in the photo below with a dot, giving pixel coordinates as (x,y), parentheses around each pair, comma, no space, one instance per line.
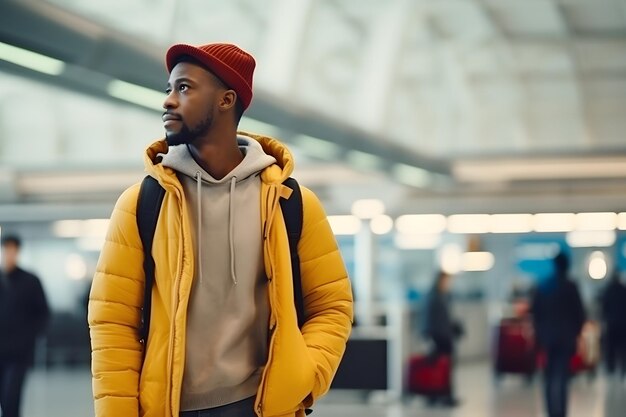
(228,100)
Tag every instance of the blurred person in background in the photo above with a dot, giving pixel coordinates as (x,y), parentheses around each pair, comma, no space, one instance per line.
(224,338)
(558,318)
(23,316)
(442,329)
(613,304)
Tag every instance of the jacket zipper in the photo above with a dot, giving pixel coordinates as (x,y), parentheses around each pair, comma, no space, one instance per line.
(265,371)
(173,329)
(273,322)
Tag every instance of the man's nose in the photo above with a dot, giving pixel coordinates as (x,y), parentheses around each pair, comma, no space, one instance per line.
(170,101)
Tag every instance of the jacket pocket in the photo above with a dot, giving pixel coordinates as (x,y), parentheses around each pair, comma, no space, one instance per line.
(153,380)
(291,376)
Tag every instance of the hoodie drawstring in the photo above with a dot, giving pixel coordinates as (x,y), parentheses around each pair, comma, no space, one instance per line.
(231,226)
(199,236)
(231,229)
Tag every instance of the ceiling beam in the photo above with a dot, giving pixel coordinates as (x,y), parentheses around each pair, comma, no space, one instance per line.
(94,53)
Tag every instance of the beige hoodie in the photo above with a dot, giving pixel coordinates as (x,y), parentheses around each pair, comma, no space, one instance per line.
(228,312)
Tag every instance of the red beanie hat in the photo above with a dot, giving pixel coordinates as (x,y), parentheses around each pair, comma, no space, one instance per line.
(229,63)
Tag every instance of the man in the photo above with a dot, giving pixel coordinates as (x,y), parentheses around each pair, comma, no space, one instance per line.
(613,303)
(223,338)
(443,331)
(558,316)
(23,316)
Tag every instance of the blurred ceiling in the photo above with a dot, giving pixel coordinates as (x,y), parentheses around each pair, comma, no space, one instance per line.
(482,99)
(444,78)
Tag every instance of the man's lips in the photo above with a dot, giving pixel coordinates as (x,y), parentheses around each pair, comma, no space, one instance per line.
(169,117)
(170,122)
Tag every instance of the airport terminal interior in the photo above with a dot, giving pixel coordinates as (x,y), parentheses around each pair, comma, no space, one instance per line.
(480,138)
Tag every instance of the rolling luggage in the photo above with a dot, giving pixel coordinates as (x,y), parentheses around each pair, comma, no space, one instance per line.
(430,375)
(515,351)
(588,352)
(578,364)
(586,357)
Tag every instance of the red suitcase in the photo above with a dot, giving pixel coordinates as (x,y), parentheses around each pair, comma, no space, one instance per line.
(587,353)
(577,363)
(515,350)
(429,376)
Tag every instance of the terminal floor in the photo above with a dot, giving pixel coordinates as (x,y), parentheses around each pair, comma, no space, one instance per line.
(67,393)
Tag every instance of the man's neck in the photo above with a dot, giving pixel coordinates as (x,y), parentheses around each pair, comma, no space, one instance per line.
(218,155)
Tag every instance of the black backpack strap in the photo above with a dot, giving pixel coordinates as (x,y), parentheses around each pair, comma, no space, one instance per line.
(148,207)
(292,213)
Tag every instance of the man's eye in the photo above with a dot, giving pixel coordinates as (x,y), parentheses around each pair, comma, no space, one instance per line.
(183,87)
(168,91)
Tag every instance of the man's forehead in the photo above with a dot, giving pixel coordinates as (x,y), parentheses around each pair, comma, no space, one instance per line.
(190,71)
(193,72)
(184,70)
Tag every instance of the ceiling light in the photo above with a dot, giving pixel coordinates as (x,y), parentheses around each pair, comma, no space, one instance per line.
(381,225)
(363,160)
(597,265)
(450,258)
(318,148)
(67,228)
(596,221)
(591,239)
(511,223)
(410,175)
(31,60)
(468,223)
(477,261)
(421,223)
(136,94)
(247,124)
(345,225)
(96,228)
(554,222)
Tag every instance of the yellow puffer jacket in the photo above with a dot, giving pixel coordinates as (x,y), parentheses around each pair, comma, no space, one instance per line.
(301,364)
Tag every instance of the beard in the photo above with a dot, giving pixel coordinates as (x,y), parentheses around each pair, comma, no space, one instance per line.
(187,135)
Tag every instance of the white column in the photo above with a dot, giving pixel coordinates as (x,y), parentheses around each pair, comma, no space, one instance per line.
(364,269)
(398,348)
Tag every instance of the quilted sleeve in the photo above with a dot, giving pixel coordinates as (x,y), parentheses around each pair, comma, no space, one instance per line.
(327,293)
(114,314)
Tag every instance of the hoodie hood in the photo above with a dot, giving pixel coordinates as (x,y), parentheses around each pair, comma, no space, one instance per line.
(272,174)
(255,159)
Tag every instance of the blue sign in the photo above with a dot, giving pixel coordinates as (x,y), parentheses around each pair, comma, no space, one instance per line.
(620,256)
(535,255)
